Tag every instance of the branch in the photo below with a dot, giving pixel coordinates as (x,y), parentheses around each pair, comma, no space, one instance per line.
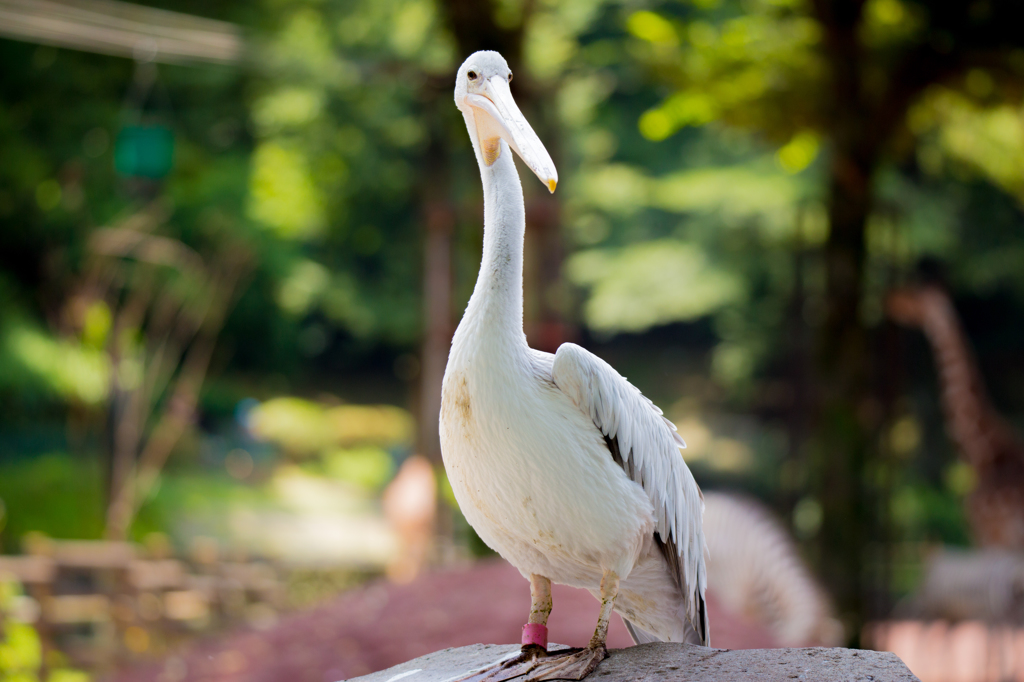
(180,407)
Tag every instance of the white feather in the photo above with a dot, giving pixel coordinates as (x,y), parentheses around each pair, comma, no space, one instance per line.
(651,442)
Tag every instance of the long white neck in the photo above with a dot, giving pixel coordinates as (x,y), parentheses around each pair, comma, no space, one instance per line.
(496,308)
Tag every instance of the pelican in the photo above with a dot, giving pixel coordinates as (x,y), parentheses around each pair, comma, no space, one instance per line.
(559,464)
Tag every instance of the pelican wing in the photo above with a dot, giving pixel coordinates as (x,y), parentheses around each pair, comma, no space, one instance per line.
(646,446)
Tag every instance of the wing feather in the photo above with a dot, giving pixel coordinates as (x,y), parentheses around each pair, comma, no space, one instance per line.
(646,445)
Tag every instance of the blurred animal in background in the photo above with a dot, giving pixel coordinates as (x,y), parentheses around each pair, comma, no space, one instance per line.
(410,506)
(995,507)
(961,585)
(755,571)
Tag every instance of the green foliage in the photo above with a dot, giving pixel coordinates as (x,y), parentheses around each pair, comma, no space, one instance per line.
(367,467)
(336,151)
(303,427)
(326,189)
(923,512)
(754,64)
(55,494)
(648,284)
(29,357)
(21,651)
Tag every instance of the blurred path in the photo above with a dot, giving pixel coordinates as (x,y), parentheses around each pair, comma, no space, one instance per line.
(383,624)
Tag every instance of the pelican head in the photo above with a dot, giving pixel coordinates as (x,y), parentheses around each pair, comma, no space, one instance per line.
(483,96)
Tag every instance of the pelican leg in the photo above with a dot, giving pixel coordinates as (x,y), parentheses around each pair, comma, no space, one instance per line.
(534,639)
(534,663)
(577,664)
(540,609)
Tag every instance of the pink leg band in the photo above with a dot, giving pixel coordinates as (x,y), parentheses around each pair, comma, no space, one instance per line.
(535,633)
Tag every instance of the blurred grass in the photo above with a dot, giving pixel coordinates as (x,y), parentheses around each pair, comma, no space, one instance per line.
(368,467)
(61,495)
(197,494)
(56,494)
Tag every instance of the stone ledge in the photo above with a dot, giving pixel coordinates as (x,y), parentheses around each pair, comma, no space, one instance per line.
(664,662)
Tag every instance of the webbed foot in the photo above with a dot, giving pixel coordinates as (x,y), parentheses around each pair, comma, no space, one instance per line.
(534,664)
(574,664)
(512,668)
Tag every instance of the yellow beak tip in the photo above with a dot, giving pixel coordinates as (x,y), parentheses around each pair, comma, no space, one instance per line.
(551,185)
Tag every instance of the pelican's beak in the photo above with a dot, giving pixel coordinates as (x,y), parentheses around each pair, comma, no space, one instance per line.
(497,116)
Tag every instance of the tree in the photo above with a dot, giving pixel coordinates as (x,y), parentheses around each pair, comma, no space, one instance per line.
(845,72)
(156,307)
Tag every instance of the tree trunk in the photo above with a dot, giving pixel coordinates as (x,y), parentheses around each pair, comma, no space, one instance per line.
(842,445)
(844,421)
(437,311)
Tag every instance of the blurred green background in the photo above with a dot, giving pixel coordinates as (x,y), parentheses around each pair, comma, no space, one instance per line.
(227,283)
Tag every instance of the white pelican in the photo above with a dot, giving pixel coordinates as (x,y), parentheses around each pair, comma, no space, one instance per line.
(559,464)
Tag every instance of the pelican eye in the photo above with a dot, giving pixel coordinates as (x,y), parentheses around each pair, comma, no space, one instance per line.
(510,77)
(472,75)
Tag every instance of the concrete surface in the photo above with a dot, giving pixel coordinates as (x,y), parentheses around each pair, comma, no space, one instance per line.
(664,662)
